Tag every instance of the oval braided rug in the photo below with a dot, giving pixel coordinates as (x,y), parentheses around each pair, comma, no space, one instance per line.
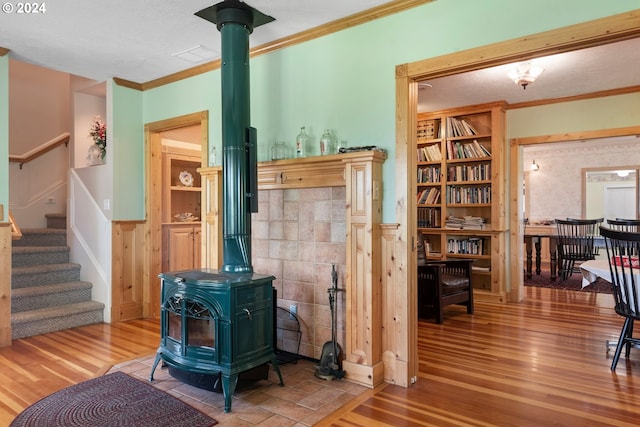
(111,400)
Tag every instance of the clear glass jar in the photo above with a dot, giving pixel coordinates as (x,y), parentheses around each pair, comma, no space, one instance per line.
(326,143)
(301,142)
(279,151)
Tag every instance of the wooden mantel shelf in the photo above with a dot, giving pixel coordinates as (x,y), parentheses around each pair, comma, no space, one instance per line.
(312,172)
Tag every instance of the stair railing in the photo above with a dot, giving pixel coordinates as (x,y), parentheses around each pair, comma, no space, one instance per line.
(41,149)
(16,234)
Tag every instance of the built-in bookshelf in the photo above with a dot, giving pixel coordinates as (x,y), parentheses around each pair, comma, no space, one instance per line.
(460,196)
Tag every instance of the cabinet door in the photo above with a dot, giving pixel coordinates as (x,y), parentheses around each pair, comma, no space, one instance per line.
(181,254)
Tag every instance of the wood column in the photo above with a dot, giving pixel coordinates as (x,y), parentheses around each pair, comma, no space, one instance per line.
(211,217)
(363,352)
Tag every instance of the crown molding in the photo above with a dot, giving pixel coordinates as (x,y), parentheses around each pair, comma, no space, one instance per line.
(302,37)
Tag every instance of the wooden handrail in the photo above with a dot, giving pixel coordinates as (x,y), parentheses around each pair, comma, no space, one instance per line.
(16,234)
(42,149)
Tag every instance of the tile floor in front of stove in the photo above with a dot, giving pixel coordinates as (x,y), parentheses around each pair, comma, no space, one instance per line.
(303,401)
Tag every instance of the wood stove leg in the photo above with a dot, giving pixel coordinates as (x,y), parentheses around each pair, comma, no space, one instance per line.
(229,383)
(155,365)
(274,363)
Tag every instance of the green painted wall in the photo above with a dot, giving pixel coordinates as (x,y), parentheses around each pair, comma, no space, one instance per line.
(590,114)
(4,135)
(346,81)
(127,153)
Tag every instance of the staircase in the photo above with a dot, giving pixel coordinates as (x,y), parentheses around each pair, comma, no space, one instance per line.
(46,292)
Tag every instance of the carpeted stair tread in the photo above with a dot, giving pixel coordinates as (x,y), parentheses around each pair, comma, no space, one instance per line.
(36,275)
(23,256)
(42,237)
(47,294)
(56,220)
(53,295)
(36,322)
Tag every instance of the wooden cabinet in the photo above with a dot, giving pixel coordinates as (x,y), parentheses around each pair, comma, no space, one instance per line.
(183,248)
(181,211)
(460,174)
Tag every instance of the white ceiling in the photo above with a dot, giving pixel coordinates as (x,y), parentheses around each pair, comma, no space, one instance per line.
(135,39)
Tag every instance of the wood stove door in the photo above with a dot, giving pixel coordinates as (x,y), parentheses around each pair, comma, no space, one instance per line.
(190,328)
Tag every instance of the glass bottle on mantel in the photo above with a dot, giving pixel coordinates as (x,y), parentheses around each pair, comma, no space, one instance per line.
(301,142)
(326,143)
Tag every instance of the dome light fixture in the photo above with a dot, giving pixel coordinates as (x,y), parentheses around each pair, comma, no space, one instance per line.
(525,73)
(535,166)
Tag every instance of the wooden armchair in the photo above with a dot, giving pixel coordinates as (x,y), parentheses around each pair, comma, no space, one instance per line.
(441,283)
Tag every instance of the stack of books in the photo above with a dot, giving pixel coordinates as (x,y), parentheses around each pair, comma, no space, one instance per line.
(465,223)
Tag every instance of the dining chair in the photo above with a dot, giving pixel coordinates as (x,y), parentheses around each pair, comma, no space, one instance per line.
(622,252)
(624,224)
(575,243)
(442,283)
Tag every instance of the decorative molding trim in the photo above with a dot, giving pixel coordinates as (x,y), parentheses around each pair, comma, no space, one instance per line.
(304,36)
(599,94)
(4,51)
(614,28)
(575,136)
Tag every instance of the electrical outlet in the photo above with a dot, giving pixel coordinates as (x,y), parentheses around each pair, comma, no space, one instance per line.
(293,311)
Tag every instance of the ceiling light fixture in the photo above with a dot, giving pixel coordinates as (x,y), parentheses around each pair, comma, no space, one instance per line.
(535,166)
(525,73)
(623,174)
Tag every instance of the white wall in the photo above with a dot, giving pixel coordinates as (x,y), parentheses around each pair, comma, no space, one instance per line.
(555,190)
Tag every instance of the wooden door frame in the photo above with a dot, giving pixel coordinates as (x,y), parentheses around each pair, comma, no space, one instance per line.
(594,33)
(153,198)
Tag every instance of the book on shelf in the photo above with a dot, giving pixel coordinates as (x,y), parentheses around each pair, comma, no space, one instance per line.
(429,174)
(429,196)
(429,217)
(429,153)
(466,246)
(465,223)
(470,150)
(459,127)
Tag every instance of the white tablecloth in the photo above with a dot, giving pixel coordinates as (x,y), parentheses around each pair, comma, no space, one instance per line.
(593,269)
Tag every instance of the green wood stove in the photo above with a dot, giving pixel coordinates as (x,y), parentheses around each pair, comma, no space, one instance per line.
(216,322)
(222,321)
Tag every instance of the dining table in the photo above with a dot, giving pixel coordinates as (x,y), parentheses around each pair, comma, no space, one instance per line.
(593,269)
(533,235)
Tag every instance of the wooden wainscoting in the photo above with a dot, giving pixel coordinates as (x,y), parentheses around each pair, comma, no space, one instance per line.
(128,272)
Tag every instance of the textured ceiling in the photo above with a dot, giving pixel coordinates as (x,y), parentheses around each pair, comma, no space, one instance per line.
(135,39)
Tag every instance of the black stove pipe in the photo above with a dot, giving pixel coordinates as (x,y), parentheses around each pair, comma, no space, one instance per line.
(236,20)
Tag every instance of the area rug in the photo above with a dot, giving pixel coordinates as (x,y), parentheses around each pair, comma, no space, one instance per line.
(111,400)
(573,283)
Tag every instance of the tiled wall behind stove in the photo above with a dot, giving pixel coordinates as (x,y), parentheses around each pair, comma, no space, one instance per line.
(297,235)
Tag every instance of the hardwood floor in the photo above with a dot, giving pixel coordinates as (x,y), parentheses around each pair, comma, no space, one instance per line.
(542,362)
(32,368)
(538,363)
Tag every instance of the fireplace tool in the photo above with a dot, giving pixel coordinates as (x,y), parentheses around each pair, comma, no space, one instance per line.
(330,363)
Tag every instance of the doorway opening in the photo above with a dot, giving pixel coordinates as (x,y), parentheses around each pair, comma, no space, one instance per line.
(155,188)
